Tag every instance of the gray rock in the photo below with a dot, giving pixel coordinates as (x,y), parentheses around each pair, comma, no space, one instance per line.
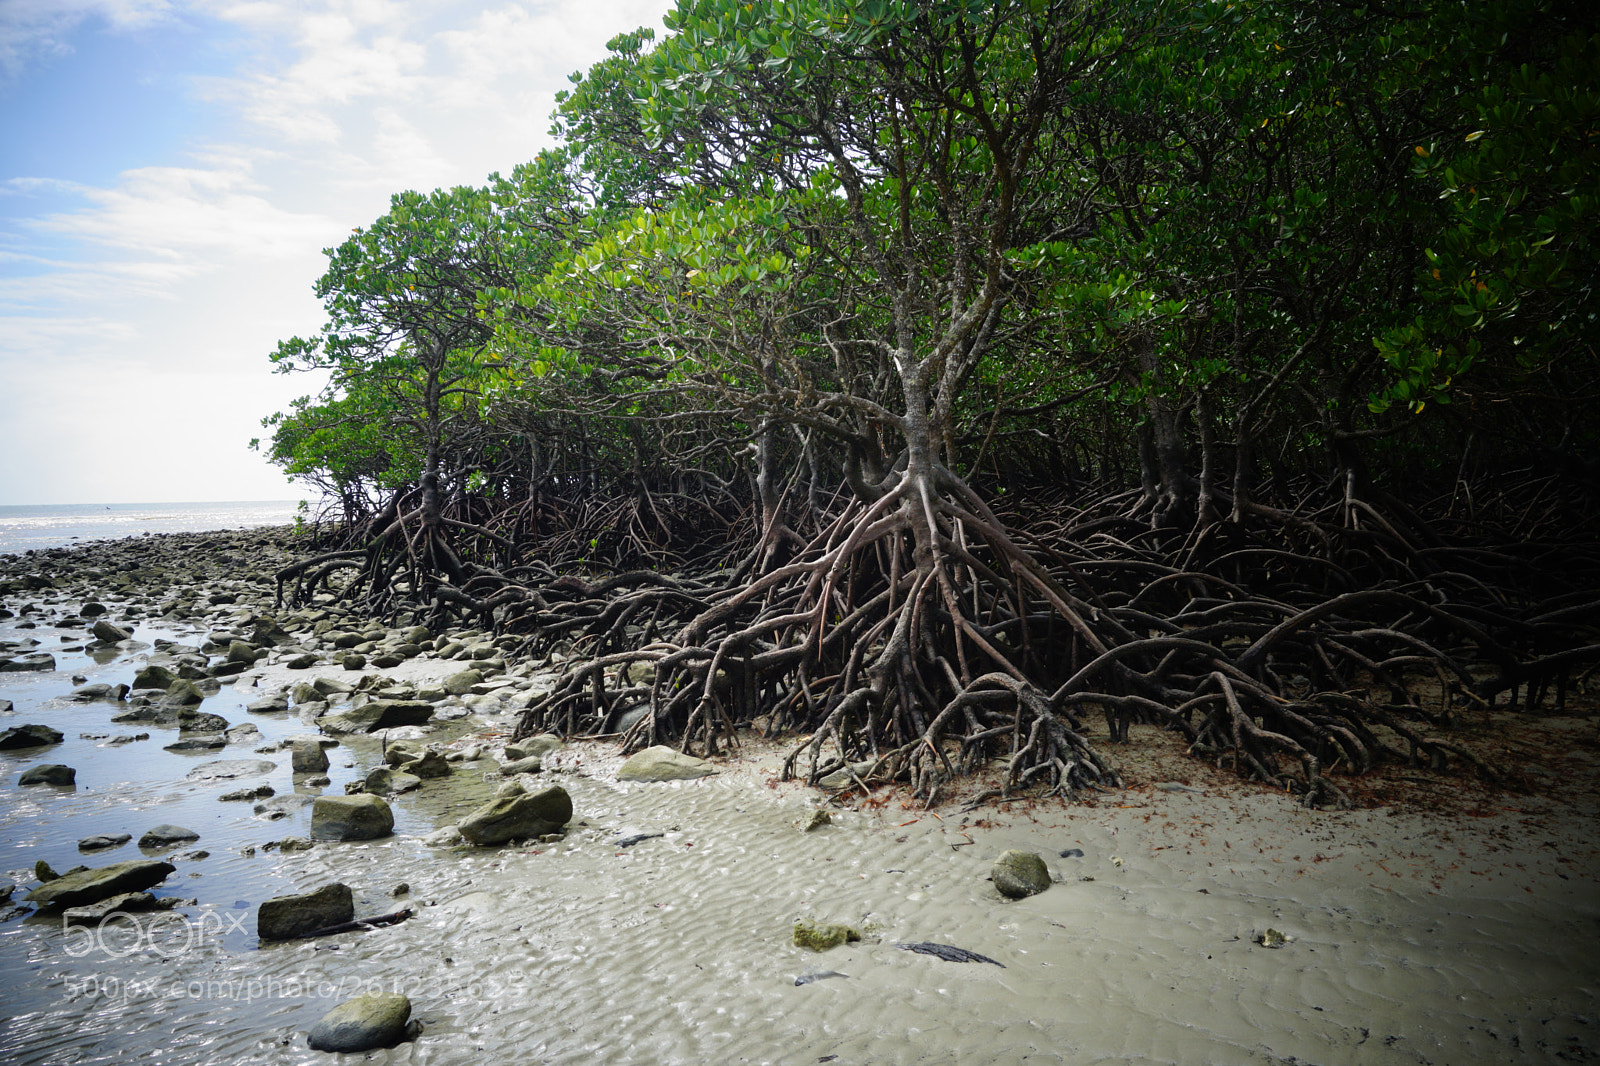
(31,735)
(376,715)
(846,776)
(193,721)
(327,686)
(244,733)
(241,652)
(377,1020)
(98,691)
(224,769)
(248,794)
(287,917)
(106,631)
(382,781)
(183,693)
(662,763)
(207,743)
(461,683)
(95,913)
(279,806)
(102,841)
(518,817)
(269,705)
(1019,874)
(154,676)
(534,747)
(307,757)
(34,662)
(90,886)
(531,765)
(304,661)
(165,836)
(353,661)
(361,817)
(396,752)
(48,774)
(429,764)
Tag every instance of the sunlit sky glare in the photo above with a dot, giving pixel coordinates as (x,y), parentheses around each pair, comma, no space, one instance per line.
(170,171)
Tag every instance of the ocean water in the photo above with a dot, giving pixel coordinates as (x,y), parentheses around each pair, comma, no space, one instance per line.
(26,527)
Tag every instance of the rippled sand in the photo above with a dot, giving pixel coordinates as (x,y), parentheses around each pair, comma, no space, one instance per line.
(1415,938)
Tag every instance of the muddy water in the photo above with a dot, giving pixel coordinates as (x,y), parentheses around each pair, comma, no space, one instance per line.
(1410,941)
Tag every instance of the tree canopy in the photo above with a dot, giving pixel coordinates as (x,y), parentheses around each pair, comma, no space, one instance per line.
(850,298)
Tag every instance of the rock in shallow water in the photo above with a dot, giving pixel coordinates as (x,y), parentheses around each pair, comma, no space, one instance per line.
(90,886)
(518,817)
(48,774)
(308,757)
(361,1024)
(361,817)
(165,836)
(223,769)
(101,841)
(31,735)
(287,917)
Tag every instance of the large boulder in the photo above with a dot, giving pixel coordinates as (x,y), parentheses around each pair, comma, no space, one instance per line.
(165,836)
(1019,874)
(31,735)
(154,676)
(89,886)
(287,917)
(359,817)
(105,630)
(376,1020)
(378,714)
(269,704)
(461,682)
(381,781)
(227,769)
(48,774)
(183,693)
(533,747)
(307,756)
(662,763)
(430,764)
(518,817)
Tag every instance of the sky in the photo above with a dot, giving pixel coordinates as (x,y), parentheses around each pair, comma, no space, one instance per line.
(170,173)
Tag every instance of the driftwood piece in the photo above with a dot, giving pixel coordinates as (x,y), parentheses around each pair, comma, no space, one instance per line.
(358,925)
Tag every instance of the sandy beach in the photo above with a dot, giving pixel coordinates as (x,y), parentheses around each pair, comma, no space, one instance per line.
(1448,923)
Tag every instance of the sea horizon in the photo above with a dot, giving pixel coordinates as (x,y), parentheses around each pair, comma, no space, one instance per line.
(31,527)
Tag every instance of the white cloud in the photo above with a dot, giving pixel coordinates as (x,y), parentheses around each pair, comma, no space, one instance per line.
(171,212)
(33,28)
(159,295)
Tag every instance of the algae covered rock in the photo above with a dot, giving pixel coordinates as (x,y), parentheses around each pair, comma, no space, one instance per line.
(359,817)
(820,936)
(376,1020)
(90,886)
(1019,874)
(286,917)
(518,817)
(662,763)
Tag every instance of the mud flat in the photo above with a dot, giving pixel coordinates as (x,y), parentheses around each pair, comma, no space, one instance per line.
(1191,918)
